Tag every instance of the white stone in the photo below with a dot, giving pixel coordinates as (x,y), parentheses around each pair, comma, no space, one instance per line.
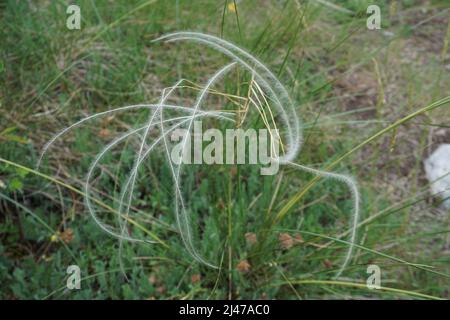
(437,169)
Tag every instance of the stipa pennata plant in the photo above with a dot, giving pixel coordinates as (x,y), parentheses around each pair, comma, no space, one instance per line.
(266,94)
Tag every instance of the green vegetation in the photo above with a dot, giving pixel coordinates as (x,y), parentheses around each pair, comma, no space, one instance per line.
(374,103)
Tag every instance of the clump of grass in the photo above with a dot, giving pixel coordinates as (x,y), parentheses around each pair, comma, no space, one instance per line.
(322,55)
(284,108)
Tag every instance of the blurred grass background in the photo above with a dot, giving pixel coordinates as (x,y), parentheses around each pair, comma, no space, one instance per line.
(348,83)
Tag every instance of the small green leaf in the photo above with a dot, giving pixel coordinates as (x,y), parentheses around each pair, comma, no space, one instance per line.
(22,172)
(7,130)
(15,184)
(15,138)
